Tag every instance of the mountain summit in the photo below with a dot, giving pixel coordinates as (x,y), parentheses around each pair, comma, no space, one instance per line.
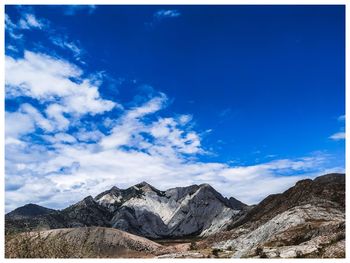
(144,210)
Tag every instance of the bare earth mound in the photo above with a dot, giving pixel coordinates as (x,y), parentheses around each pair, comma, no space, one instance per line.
(80,242)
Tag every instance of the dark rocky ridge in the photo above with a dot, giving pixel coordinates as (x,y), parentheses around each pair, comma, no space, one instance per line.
(29,210)
(323,190)
(307,220)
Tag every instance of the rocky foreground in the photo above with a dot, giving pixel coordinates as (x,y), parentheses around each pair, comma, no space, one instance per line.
(307,220)
(80,242)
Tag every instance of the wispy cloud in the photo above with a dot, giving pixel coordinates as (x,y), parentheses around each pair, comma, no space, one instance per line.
(341,118)
(28,21)
(338,136)
(71,10)
(161,15)
(64,43)
(225,112)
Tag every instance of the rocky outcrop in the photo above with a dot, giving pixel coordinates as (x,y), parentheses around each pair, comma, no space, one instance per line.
(308,220)
(86,213)
(328,190)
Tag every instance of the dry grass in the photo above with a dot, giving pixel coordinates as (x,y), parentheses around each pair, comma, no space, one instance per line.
(34,245)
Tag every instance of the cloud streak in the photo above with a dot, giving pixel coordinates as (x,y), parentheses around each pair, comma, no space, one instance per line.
(338,136)
(75,9)
(163,14)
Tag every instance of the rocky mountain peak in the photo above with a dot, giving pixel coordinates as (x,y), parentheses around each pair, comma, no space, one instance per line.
(30,210)
(89,200)
(145,186)
(114,189)
(338,178)
(142,184)
(144,210)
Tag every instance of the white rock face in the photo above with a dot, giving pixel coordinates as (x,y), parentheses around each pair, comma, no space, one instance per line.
(182,211)
(246,244)
(159,205)
(219,222)
(109,199)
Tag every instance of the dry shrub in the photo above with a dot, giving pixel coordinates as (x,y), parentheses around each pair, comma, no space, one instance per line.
(34,245)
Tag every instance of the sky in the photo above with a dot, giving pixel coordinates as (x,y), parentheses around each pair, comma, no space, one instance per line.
(249,99)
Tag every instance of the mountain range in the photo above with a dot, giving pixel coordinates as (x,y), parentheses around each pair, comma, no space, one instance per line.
(307,220)
(141,209)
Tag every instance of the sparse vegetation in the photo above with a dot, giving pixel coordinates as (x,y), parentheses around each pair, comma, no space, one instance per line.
(34,245)
(259,251)
(215,252)
(193,245)
(299,254)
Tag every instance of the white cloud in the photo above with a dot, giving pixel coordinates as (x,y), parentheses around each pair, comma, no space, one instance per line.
(11,28)
(17,124)
(157,151)
(55,113)
(171,13)
(153,105)
(163,136)
(87,136)
(50,79)
(60,138)
(29,21)
(37,117)
(185,118)
(140,146)
(338,136)
(64,43)
(161,15)
(99,169)
(71,10)
(137,145)
(341,118)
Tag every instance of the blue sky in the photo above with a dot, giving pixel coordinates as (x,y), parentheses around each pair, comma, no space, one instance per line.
(234,96)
